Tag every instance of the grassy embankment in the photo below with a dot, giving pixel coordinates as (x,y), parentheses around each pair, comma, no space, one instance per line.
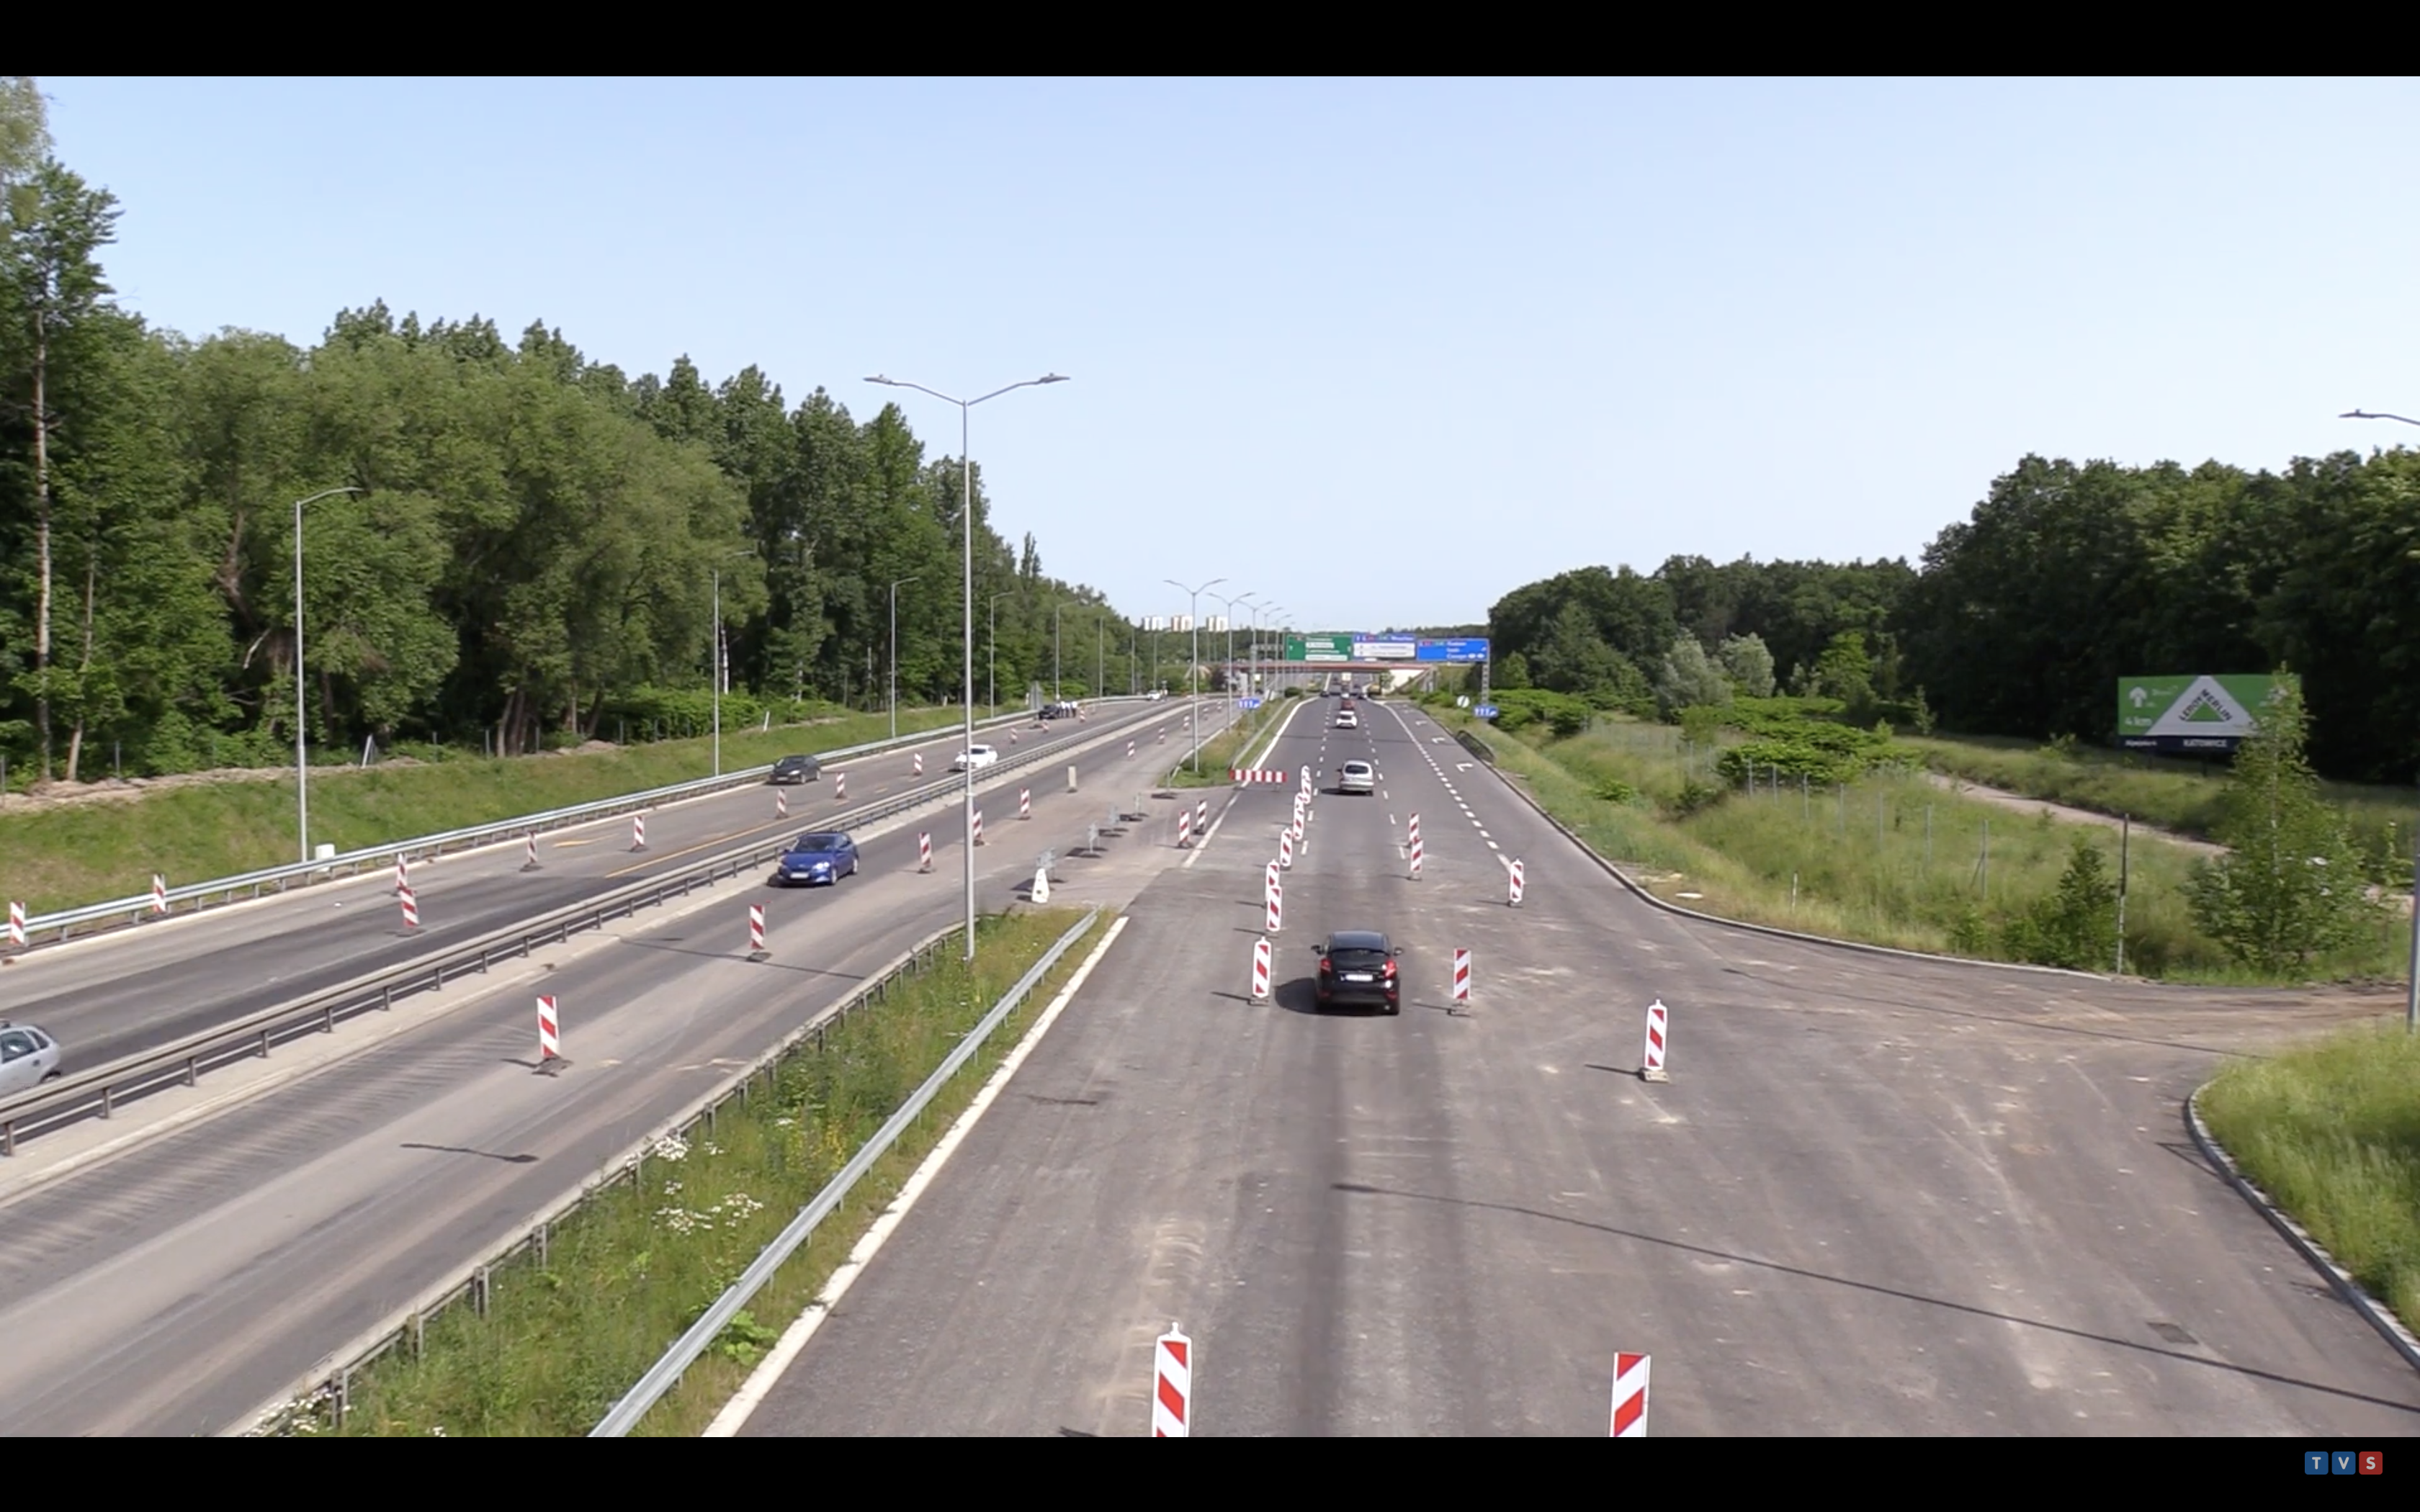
(627,1274)
(2172,793)
(2331,1130)
(1816,859)
(61,857)
(1223,751)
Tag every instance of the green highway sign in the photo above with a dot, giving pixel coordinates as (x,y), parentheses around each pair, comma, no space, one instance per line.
(2185,713)
(1319,647)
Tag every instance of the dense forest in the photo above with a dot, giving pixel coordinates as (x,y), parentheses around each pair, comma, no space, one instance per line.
(2020,618)
(532,553)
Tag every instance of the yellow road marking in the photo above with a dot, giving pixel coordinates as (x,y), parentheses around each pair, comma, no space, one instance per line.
(562,843)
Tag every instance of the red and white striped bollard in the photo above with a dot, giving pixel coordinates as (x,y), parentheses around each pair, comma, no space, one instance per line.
(1261,969)
(1650,1061)
(756,950)
(1025,803)
(638,832)
(159,893)
(919,764)
(979,840)
(1184,828)
(1172,1396)
(781,804)
(411,908)
(17,924)
(1286,850)
(1461,977)
(549,1033)
(1512,875)
(1629,1395)
(923,850)
(529,845)
(840,787)
(1277,911)
(1129,748)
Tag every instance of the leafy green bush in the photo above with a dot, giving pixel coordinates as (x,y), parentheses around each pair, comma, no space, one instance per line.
(2075,926)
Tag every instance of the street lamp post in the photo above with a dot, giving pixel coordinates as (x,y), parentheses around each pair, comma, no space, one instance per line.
(967,671)
(1058,684)
(895,652)
(991,639)
(1227,669)
(1252,657)
(301,766)
(1194,618)
(1100,664)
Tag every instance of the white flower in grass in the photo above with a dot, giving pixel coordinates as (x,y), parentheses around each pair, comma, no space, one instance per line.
(671,1147)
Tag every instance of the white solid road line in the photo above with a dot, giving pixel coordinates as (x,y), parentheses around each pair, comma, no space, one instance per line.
(760,1381)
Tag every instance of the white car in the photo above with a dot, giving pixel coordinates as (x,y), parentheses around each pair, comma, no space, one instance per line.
(974,759)
(1357,777)
(1348,720)
(28,1057)
(1155,695)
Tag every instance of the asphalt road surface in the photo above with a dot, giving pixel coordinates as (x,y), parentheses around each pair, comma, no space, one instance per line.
(134,990)
(1879,1197)
(180,1284)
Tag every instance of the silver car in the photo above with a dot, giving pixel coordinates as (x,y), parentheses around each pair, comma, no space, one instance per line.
(1356,776)
(28,1057)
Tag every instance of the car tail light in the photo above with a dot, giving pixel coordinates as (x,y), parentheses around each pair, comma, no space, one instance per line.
(1390,968)
(1326,965)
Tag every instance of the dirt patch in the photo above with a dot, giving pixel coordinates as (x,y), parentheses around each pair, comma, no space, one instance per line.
(54,794)
(2018,801)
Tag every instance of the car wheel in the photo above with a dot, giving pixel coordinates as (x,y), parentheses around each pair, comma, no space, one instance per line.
(1394,1005)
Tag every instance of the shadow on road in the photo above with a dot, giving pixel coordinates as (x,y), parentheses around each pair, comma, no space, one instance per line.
(1359,1189)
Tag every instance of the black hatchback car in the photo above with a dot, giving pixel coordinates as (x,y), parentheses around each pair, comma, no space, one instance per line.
(1358,966)
(796,769)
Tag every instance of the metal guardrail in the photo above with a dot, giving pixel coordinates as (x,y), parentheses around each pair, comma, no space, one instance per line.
(666,1372)
(120,912)
(100,1091)
(328,1386)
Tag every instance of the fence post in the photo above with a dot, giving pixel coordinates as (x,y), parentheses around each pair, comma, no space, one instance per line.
(2125,826)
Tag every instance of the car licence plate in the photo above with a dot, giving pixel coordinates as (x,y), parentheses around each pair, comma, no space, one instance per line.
(1356,976)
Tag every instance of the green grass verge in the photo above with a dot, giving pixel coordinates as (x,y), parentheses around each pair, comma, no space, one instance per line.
(2331,1130)
(625,1275)
(1224,750)
(2177,794)
(1816,860)
(66,856)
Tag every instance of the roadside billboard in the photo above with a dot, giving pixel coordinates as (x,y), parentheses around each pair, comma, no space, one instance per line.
(2189,714)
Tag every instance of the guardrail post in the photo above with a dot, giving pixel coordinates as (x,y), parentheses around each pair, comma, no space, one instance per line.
(483,963)
(386,999)
(479,1292)
(7,1136)
(264,1044)
(328,1019)
(108,1100)
(193,1071)
(344,1393)
(538,1238)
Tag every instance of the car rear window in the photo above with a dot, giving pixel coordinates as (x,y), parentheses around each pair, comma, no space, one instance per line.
(1359,960)
(818,842)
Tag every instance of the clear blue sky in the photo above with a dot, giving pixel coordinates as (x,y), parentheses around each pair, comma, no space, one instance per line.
(1379,351)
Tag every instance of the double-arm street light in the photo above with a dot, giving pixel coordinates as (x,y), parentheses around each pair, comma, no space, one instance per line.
(1252,657)
(894,651)
(301,764)
(2411,990)
(1227,673)
(991,637)
(1194,618)
(1058,684)
(966,671)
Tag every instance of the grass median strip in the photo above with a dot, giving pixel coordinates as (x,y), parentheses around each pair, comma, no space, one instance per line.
(1223,751)
(2331,1132)
(623,1278)
(66,856)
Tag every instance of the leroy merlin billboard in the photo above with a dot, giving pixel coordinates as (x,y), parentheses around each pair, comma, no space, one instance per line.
(2188,714)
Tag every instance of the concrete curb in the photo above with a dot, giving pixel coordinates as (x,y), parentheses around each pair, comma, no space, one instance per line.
(2380,1317)
(1644,896)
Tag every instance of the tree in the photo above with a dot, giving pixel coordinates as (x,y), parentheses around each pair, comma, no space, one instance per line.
(1689,679)
(1749,664)
(2076,926)
(1846,672)
(25,128)
(55,224)
(2289,887)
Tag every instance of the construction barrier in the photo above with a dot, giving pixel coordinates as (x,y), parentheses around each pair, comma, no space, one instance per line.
(1249,775)
(1171,1397)
(756,950)
(411,908)
(979,840)
(1650,1063)
(923,852)
(159,893)
(1025,803)
(549,1033)
(1277,911)
(781,804)
(1286,850)
(1513,875)
(1184,828)
(1261,964)
(919,770)
(16,925)
(1202,816)
(1461,977)
(1629,1396)
(530,845)
(840,787)
(638,832)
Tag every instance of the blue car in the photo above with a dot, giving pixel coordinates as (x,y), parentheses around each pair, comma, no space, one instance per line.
(813,858)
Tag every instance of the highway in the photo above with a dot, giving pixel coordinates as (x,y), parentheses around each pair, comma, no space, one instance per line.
(131,990)
(1879,1197)
(180,1284)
